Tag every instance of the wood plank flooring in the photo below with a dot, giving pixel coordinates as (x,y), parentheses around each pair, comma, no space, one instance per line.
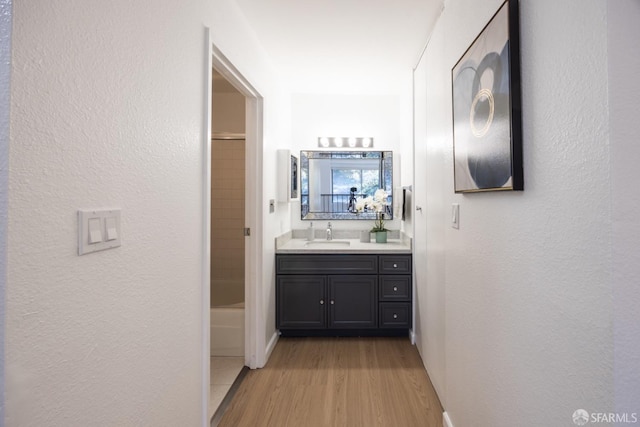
(352,382)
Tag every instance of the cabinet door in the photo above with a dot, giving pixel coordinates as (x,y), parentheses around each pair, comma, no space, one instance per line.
(300,302)
(353,302)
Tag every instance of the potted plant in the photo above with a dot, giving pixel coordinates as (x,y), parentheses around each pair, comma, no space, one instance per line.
(377,204)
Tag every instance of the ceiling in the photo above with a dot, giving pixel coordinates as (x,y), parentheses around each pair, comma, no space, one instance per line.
(343,46)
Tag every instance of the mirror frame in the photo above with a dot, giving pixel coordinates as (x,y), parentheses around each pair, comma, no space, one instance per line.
(386,168)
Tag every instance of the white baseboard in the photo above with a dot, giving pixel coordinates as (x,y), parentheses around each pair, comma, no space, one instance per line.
(412,337)
(271,346)
(446,421)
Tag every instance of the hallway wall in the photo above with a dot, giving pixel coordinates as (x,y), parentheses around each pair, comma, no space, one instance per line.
(624,103)
(5,95)
(107,110)
(103,101)
(525,284)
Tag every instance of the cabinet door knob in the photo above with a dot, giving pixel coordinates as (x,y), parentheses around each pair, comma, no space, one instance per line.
(395,316)
(332,302)
(395,289)
(395,265)
(321,301)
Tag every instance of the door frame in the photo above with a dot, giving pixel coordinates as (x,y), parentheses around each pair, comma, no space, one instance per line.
(254,340)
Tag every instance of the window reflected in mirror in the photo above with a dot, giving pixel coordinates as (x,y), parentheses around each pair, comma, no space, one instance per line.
(332,181)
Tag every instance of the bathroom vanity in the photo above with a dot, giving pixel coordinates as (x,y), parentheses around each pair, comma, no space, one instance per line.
(334,289)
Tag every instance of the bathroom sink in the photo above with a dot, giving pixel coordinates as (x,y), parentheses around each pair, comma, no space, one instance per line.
(328,244)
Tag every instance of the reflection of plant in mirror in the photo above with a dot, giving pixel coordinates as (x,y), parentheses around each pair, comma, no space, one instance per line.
(378,204)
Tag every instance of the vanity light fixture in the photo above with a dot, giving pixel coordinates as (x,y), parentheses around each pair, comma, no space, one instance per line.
(340,142)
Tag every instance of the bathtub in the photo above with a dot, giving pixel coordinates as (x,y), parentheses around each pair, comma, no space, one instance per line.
(227,330)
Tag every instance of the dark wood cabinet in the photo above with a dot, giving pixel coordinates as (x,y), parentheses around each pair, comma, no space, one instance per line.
(343,294)
(353,301)
(302,302)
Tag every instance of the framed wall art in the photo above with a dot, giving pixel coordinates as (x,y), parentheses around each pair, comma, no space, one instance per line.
(293,186)
(487,116)
(287,176)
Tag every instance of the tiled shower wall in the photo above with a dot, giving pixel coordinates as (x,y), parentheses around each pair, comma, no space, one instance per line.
(227,221)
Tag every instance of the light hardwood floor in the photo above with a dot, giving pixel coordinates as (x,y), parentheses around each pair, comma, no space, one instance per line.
(353,382)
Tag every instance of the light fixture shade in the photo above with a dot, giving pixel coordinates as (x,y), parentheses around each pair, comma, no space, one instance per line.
(345,142)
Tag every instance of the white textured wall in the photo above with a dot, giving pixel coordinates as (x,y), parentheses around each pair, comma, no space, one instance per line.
(526,281)
(107,109)
(624,103)
(5,70)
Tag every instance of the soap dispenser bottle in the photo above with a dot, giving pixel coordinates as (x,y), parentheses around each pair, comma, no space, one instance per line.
(310,232)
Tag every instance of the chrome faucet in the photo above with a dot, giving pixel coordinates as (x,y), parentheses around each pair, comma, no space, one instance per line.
(329,234)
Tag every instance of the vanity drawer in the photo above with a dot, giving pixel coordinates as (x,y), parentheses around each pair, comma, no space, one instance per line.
(395,288)
(326,264)
(395,264)
(395,315)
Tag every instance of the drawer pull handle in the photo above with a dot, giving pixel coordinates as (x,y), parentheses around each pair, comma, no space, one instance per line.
(395,289)
(395,265)
(395,316)
(321,302)
(332,302)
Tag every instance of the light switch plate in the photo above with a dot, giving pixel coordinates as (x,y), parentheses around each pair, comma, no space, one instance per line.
(98,229)
(455,216)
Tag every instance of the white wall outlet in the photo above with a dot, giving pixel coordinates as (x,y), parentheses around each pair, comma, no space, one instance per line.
(98,230)
(455,216)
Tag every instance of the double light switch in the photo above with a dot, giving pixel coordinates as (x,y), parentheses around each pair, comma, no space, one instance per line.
(98,230)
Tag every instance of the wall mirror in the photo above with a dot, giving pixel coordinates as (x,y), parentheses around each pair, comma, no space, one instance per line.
(331,181)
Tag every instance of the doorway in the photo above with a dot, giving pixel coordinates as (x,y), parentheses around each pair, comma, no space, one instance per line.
(227,266)
(250,339)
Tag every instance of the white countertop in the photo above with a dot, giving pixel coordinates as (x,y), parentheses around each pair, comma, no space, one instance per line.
(351,246)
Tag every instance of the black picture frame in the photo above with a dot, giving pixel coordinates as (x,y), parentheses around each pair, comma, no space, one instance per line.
(487,111)
(294,177)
